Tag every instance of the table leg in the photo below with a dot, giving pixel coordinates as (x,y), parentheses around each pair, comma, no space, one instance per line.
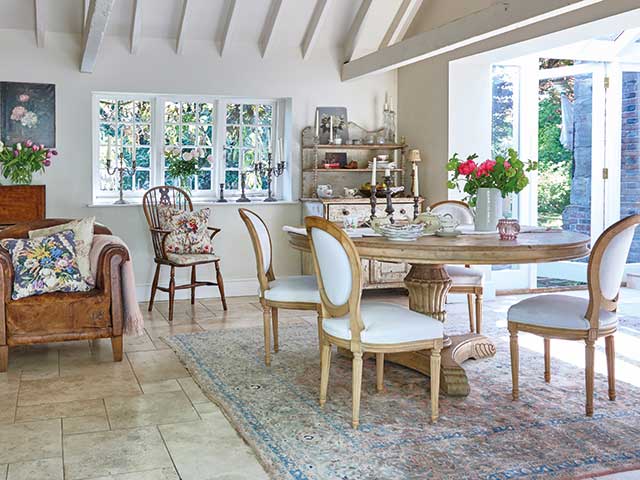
(428,286)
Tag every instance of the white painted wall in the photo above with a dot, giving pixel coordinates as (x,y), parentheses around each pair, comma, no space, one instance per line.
(157,69)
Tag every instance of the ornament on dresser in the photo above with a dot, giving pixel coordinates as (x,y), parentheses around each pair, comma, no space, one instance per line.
(20,161)
(331,126)
(487,183)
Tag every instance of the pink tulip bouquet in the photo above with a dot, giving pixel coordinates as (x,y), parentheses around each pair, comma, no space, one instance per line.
(507,174)
(18,162)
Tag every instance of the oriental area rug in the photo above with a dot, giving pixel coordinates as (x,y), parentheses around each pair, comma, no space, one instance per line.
(544,435)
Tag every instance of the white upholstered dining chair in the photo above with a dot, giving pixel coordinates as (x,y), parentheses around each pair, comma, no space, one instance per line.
(466,280)
(368,327)
(573,318)
(294,293)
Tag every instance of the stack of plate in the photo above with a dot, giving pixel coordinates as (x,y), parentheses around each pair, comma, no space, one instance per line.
(402,233)
(381,165)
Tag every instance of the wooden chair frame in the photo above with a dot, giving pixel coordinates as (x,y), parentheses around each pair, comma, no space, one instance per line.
(270,307)
(475,324)
(356,325)
(597,301)
(177,198)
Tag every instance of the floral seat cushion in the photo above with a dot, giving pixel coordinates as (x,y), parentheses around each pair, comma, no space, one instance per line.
(189,232)
(45,265)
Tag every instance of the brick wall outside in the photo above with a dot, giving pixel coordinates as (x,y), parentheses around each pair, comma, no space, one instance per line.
(577,215)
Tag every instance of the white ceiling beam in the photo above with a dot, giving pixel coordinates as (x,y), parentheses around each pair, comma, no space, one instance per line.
(401,22)
(314,26)
(41,22)
(269,25)
(225,25)
(136,27)
(492,21)
(96,26)
(182,29)
(625,40)
(351,41)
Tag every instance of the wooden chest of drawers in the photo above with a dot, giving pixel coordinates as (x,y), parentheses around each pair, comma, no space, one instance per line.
(376,274)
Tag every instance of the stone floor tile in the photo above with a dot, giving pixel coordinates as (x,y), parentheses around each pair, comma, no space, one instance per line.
(192,390)
(202,450)
(170,385)
(3,471)
(93,423)
(34,361)
(205,409)
(60,410)
(101,454)
(22,442)
(77,387)
(156,366)
(44,469)
(151,409)
(157,333)
(155,474)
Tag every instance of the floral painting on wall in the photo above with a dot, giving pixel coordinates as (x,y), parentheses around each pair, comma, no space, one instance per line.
(28,111)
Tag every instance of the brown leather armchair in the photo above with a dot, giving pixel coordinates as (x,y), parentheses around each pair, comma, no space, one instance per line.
(60,316)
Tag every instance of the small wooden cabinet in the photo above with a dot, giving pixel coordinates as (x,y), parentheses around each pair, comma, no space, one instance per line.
(21,203)
(375,274)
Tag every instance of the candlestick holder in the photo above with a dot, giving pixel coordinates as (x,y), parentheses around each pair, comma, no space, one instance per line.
(387,192)
(270,171)
(243,182)
(373,200)
(122,171)
(416,206)
(222,199)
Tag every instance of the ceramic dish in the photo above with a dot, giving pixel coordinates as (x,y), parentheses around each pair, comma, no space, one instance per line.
(452,233)
(402,233)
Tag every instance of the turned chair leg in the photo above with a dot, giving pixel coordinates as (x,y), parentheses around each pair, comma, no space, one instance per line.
(547,360)
(172,291)
(220,283)
(356,388)
(325,366)
(4,358)
(435,383)
(380,372)
(274,324)
(193,289)
(266,318)
(472,322)
(515,361)
(590,351)
(611,365)
(154,286)
(478,313)
(116,346)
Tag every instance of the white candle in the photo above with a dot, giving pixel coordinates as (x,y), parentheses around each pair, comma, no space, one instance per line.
(416,190)
(373,173)
(317,123)
(109,150)
(331,129)
(387,172)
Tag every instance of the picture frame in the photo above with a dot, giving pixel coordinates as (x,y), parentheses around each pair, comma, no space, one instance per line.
(28,112)
(340,124)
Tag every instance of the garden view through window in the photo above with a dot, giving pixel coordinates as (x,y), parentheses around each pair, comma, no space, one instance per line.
(225,136)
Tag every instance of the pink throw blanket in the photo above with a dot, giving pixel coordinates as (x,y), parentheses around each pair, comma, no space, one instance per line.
(133,322)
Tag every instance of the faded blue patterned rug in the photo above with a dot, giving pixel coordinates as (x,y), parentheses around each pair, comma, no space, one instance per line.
(483,436)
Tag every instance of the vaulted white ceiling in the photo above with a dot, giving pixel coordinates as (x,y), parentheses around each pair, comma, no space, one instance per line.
(358,27)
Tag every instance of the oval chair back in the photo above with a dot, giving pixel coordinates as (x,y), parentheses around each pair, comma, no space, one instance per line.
(606,267)
(458,210)
(262,247)
(153,199)
(337,265)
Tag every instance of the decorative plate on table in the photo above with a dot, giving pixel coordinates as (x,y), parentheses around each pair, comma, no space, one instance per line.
(448,233)
(402,233)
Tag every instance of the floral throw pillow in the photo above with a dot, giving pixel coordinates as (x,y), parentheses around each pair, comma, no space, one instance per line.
(44,265)
(83,239)
(189,232)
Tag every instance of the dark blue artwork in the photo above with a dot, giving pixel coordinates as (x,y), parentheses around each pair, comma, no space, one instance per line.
(28,112)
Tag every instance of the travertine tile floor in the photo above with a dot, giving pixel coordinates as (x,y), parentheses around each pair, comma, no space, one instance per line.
(67,411)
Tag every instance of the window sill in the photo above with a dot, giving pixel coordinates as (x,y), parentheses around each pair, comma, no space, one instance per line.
(134,202)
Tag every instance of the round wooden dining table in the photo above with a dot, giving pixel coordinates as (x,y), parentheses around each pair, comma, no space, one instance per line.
(428,283)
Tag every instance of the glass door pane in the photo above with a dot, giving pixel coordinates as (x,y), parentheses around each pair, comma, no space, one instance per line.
(566,164)
(630,158)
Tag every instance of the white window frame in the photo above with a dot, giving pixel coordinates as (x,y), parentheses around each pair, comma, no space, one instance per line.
(280,128)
